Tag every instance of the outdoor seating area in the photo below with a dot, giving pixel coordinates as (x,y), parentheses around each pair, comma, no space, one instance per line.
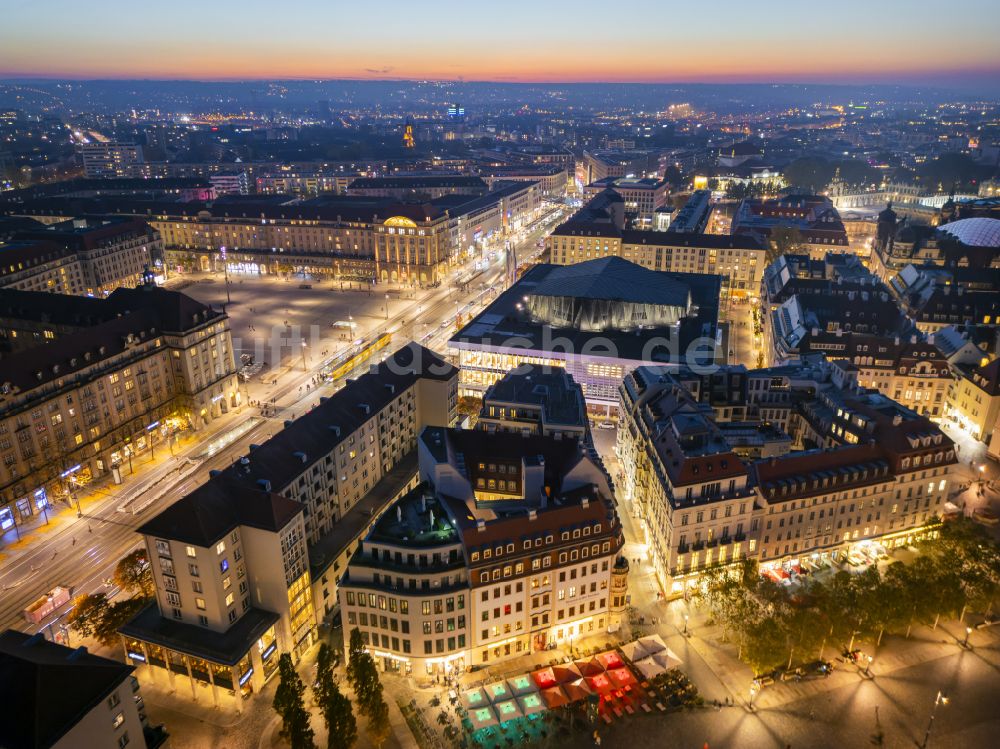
(610,686)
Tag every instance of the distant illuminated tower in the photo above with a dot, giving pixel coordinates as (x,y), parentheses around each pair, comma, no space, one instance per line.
(408,136)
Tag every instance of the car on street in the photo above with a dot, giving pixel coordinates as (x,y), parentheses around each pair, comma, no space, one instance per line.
(605,425)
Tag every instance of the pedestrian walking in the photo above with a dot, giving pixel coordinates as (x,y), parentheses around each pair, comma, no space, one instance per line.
(74,541)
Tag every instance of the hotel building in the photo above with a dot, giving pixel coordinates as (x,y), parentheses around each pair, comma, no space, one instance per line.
(86,256)
(90,382)
(366,239)
(508,545)
(863,469)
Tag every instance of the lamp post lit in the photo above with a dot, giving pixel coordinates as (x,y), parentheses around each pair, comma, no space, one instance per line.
(965,642)
(754,688)
(869,664)
(939,700)
(685,625)
(386,306)
(304,367)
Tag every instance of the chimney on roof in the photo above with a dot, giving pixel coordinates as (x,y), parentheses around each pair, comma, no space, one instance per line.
(253,446)
(264,485)
(287,423)
(480,525)
(300,455)
(913,339)
(365,407)
(585,502)
(213,473)
(532,514)
(335,430)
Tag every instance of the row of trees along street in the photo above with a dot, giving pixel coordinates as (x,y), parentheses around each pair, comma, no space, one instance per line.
(333,705)
(96,615)
(775,626)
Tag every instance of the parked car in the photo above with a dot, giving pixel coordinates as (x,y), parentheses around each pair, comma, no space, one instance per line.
(605,425)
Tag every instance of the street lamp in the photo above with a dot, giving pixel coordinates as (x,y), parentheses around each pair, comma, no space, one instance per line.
(939,700)
(965,642)
(869,664)
(685,625)
(304,368)
(754,688)
(386,306)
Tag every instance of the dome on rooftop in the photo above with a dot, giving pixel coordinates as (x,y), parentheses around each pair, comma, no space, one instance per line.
(975,232)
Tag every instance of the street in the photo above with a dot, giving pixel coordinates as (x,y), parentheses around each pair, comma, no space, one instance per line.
(82,552)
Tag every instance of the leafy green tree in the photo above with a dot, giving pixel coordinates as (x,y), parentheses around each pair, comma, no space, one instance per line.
(896,605)
(290,705)
(362,674)
(964,545)
(342,728)
(115,617)
(378,723)
(134,575)
(784,240)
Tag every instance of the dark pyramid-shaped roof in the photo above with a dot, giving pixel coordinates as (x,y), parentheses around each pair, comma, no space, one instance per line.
(614,279)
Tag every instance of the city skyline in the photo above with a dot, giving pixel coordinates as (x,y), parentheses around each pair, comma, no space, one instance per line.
(859,44)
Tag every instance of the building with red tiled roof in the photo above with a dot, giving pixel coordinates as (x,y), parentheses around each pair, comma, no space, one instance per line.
(863,469)
(508,545)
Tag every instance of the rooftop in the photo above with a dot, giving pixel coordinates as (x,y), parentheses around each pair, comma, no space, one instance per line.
(226,648)
(418,520)
(47,688)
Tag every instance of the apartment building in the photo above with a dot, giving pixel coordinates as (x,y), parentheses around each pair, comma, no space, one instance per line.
(974,399)
(884,489)
(643,196)
(689,489)
(546,403)
(302,182)
(418,186)
(93,255)
(509,544)
(601,164)
(740,261)
(300,503)
(108,159)
(813,218)
(65,698)
(232,591)
(861,469)
(87,383)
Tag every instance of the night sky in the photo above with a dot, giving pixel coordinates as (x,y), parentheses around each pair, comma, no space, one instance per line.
(849,41)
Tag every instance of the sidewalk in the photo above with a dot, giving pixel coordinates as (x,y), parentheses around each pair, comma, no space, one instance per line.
(99,495)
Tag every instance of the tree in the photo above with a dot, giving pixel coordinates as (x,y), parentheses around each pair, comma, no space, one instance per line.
(88,613)
(363,675)
(115,617)
(133,574)
(289,704)
(784,240)
(378,722)
(342,728)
